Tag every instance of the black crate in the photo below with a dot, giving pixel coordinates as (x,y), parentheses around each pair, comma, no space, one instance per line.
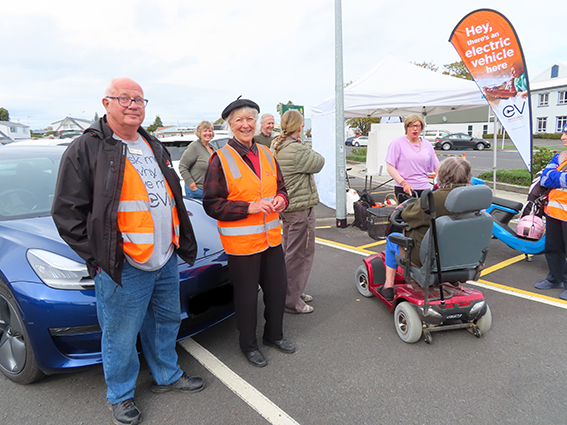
(378,220)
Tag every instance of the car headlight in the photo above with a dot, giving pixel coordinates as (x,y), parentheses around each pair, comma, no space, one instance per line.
(59,272)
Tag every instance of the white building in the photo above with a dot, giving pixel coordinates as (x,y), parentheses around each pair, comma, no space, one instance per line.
(69,123)
(549,99)
(475,122)
(15,130)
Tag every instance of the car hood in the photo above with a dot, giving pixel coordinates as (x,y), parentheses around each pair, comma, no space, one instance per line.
(17,236)
(205,229)
(40,232)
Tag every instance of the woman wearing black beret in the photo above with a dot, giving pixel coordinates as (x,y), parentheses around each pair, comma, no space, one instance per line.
(245,192)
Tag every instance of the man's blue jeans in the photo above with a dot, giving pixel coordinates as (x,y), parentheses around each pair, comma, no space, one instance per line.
(148,303)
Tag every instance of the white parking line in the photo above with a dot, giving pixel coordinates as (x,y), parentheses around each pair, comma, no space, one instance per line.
(254,398)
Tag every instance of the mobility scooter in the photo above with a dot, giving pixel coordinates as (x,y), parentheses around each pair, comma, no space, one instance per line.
(431,298)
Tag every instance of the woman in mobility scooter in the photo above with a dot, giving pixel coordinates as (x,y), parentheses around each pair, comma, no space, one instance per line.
(452,251)
(453,172)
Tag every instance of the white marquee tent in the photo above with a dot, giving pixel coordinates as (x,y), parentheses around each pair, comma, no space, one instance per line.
(391,88)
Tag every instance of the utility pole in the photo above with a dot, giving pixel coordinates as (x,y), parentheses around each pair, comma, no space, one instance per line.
(341,175)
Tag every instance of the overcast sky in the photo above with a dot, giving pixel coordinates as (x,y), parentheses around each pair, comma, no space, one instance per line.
(194,57)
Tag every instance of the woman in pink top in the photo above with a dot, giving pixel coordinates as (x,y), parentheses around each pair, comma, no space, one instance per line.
(410,158)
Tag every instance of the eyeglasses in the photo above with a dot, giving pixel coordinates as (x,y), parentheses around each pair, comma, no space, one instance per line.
(125,102)
(415,126)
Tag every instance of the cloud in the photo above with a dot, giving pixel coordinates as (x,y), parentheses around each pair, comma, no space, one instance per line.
(193,58)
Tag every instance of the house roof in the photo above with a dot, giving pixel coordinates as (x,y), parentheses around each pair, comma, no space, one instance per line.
(79,122)
(543,80)
(13,124)
(4,137)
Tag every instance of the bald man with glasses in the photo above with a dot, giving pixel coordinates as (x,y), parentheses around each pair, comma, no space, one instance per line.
(119,205)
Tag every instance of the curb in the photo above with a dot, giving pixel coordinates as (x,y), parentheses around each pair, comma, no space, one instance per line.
(509,187)
(499,186)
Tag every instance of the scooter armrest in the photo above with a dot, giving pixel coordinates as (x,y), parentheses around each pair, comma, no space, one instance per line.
(407,244)
(403,241)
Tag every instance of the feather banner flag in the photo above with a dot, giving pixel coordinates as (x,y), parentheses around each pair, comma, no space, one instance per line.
(490,49)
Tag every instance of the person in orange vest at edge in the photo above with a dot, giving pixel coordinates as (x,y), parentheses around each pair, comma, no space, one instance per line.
(244,191)
(556,221)
(118,203)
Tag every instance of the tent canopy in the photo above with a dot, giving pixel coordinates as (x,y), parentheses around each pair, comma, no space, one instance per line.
(391,88)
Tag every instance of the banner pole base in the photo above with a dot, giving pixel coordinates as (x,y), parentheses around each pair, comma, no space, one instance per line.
(341,222)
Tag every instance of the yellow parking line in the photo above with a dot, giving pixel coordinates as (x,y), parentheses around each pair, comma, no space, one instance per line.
(370,245)
(532,296)
(323,227)
(544,299)
(503,264)
(346,247)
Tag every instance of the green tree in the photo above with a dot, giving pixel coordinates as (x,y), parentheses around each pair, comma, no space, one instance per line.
(541,158)
(218,122)
(457,69)
(427,65)
(4,115)
(362,125)
(157,124)
(95,119)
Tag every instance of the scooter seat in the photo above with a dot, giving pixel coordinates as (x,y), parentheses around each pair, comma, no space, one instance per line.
(513,205)
(462,238)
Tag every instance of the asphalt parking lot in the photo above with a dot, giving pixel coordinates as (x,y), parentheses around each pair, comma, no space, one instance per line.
(351,367)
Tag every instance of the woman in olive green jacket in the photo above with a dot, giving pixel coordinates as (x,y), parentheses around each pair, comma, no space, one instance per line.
(298,162)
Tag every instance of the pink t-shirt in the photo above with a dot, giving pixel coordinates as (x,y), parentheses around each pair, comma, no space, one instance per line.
(412,162)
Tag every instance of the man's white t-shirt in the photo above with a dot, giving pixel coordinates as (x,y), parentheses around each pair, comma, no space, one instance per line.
(144,161)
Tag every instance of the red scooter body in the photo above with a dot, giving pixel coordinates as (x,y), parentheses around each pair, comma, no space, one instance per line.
(462,307)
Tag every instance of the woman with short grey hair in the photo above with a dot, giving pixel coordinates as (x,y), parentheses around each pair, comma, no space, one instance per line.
(195,159)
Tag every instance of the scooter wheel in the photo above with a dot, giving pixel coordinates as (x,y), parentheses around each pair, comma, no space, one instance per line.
(483,324)
(407,322)
(362,283)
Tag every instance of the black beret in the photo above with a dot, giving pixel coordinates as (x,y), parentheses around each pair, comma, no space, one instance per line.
(239,103)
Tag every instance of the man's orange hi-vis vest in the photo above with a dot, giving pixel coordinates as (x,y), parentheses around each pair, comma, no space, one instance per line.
(135,219)
(257,232)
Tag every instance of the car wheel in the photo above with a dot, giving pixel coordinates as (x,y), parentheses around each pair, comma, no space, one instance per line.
(407,322)
(17,359)
(356,144)
(362,283)
(479,146)
(446,146)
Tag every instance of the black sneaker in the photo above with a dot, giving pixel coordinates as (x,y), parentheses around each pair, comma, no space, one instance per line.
(185,384)
(387,293)
(126,413)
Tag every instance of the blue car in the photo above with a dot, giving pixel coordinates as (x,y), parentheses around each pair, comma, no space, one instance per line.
(48,321)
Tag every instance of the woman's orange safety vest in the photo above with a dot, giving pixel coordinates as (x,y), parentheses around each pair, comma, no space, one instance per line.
(135,219)
(257,232)
(557,199)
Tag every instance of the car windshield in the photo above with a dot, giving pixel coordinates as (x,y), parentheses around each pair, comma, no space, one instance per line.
(70,134)
(27,181)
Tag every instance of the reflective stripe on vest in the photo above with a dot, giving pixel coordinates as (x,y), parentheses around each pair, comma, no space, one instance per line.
(257,232)
(135,218)
(557,199)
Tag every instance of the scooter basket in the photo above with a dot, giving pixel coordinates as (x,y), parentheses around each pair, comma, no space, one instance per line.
(378,221)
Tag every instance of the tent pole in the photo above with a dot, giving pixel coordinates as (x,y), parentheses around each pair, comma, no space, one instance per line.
(494,149)
(341,175)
